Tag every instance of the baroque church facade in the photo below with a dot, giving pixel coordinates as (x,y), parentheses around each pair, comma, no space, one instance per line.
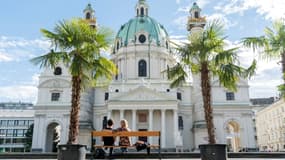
(141,94)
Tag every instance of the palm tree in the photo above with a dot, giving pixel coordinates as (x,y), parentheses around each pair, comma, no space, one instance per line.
(206,56)
(271,45)
(78,46)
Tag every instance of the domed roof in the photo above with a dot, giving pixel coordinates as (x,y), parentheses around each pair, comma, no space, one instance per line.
(142,29)
(145,24)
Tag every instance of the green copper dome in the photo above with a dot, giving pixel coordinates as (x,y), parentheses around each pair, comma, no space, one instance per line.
(142,25)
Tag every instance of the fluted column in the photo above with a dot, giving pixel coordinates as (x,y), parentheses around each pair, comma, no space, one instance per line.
(150,123)
(175,126)
(163,128)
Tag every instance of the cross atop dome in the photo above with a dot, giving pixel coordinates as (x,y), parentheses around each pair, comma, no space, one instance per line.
(142,8)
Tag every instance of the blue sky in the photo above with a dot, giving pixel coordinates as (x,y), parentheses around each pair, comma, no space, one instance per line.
(20,38)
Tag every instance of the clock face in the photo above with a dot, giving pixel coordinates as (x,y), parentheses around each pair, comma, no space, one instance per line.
(142,38)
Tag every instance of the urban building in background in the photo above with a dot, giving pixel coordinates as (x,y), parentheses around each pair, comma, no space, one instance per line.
(141,93)
(15,120)
(270,127)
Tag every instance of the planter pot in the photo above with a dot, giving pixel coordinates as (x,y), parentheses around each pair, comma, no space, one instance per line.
(213,151)
(71,152)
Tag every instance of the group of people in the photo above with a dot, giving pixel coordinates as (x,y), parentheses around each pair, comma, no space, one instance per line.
(123,141)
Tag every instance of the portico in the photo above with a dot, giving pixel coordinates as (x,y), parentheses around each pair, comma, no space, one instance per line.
(148,117)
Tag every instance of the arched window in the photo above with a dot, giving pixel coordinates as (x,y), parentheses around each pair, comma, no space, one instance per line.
(118,45)
(88,15)
(138,12)
(142,11)
(142,68)
(196,14)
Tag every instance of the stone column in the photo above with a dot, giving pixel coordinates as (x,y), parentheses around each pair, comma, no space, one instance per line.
(175,126)
(150,123)
(134,119)
(109,114)
(121,114)
(134,124)
(163,128)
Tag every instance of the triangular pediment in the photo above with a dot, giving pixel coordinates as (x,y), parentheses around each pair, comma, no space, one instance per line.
(142,93)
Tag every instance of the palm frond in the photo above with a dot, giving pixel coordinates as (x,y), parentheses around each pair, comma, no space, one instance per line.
(255,42)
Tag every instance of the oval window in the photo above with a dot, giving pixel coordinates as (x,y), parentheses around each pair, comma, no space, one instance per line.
(142,38)
(57,71)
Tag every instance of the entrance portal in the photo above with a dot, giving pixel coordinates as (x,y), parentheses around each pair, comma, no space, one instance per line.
(233,136)
(52,137)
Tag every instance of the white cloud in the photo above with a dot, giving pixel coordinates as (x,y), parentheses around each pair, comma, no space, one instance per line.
(227,23)
(177,1)
(4,58)
(18,93)
(268,74)
(271,9)
(19,48)
(181,22)
(202,3)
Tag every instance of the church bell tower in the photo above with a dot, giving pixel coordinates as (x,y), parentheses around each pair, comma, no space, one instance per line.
(195,21)
(89,15)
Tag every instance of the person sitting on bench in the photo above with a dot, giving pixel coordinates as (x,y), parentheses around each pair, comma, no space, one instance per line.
(124,140)
(109,141)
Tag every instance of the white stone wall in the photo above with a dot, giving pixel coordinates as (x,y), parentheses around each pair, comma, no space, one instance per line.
(270,124)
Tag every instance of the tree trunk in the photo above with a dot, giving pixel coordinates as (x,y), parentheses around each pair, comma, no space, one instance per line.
(206,92)
(283,66)
(75,108)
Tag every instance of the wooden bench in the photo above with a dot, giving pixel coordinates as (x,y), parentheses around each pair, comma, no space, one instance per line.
(95,134)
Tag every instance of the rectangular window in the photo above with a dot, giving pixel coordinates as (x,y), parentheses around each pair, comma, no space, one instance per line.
(2,132)
(18,140)
(10,123)
(20,133)
(180,122)
(21,122)
(8,141)
(26,123)
(3,122)
(17,149)
(9,132)
(2,140)
(16,122)
(15,133)
(55,96)
(31,122)
(179,97)
(106,96)
(230,96)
